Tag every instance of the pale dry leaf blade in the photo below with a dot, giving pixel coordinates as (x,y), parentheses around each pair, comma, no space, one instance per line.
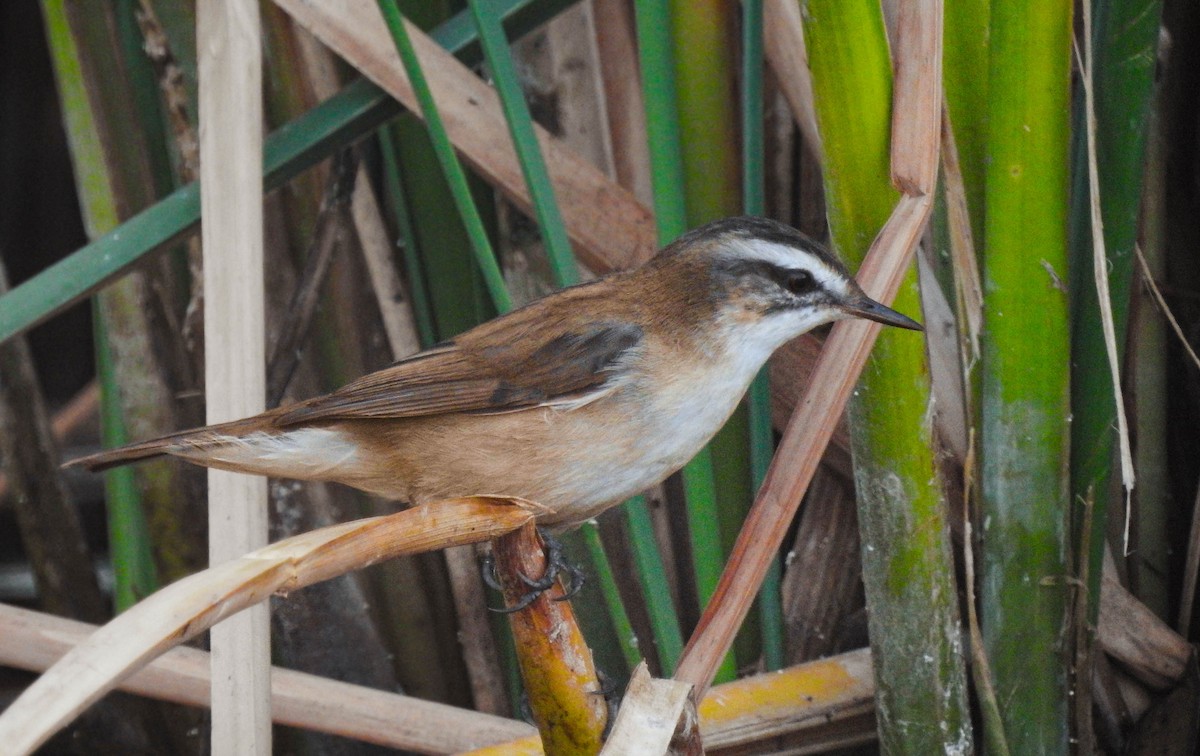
(197,602)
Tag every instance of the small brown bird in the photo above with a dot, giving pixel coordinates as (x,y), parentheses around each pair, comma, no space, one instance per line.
(576,401)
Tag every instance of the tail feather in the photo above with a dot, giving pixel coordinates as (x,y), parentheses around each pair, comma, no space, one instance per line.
(122,455)
(164,445)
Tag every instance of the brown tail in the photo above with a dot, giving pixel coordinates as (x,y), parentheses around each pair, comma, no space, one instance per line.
(125,454)
(157,447)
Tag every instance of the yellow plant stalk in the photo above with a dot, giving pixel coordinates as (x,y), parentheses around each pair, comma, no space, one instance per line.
(829,701)
(556,664)
(190,606)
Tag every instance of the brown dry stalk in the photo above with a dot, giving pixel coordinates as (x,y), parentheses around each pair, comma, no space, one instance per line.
(189,606)
(783,39)
(799,453)
(917,97)
(81,407)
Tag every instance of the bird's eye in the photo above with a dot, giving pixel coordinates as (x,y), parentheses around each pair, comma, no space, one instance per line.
(799,282)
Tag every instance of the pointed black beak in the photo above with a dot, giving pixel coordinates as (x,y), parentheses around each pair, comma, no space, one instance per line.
(865,307)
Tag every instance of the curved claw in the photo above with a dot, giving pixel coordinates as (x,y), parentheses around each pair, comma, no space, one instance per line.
(525,601)
(574,583)
(556,565)
(612,701)
(487,571)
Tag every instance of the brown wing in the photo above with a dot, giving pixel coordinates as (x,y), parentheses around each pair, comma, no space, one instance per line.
(509,364)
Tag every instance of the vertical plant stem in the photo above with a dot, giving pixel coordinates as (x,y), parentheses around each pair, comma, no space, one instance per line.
(662,118)
(417,290)
(555,661)
(668,638)
(706,101)
(762,435)
(134,574)
(231,191)
(1123,42)
(1025,384)
(908,568)
(626,638)
(1149,376)
(663,128)
(965,76)
(989,707)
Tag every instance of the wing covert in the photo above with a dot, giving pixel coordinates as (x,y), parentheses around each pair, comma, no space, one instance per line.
(500,369)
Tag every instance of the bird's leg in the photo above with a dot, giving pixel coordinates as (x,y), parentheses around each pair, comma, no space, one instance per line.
(556,565)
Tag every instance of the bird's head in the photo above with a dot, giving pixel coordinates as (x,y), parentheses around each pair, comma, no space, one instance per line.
(767,283)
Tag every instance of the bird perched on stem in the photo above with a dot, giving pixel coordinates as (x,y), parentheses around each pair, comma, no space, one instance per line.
(576,401)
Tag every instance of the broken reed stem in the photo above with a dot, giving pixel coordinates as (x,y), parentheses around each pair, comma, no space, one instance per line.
(649,712)
(189,606)
(556,664)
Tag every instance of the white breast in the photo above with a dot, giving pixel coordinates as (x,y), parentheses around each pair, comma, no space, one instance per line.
(662,432)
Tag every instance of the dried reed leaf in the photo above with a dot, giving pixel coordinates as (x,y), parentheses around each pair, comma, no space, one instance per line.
(608,227)
(917,97)
(1135,637)
(191,605)
(965,262)
(1100,267)
(783,38)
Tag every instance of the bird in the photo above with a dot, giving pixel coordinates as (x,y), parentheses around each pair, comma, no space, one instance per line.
(576,401)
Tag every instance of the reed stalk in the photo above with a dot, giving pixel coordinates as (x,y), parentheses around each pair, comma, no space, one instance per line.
(1124,40)
(1024,590)
(908,568)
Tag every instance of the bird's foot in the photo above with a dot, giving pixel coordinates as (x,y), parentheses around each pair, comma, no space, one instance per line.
(612,701)
(556,565)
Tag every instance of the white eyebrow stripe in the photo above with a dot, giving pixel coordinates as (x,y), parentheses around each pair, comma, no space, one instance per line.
(792,257)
